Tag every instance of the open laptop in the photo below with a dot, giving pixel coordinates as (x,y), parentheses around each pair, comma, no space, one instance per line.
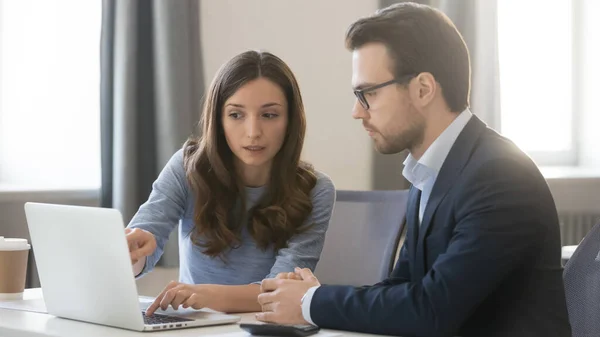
(85,270)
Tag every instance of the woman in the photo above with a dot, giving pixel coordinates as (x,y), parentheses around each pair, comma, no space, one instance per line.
(247,207)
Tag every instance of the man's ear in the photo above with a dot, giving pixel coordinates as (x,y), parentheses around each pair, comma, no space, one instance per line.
(423,89)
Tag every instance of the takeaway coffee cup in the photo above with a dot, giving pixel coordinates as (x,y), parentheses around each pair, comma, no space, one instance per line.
(13,267)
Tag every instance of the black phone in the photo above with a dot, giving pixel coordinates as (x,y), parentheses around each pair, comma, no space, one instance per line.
(280,330)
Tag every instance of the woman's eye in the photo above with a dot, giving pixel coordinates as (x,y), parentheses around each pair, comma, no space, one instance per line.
(235,115)
(270,115)
(370,93)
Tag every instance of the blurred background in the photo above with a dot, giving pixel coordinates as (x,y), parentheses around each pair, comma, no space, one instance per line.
(95,96)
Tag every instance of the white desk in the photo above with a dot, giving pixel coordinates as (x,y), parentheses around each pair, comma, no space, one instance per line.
(23,323)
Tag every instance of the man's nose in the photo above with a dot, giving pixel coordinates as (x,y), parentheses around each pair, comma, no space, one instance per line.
(358,111)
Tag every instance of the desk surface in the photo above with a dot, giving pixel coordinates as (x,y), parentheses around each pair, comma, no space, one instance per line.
(24,323)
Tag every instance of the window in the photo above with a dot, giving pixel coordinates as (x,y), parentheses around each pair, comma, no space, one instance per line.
(548,70)
(50,93)
(537,43)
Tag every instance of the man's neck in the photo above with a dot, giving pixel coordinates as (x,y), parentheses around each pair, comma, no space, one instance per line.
(436,124)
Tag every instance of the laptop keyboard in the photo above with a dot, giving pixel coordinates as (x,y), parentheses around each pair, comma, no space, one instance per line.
(163,319)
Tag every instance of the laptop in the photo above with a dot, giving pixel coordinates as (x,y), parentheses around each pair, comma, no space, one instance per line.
(86,274)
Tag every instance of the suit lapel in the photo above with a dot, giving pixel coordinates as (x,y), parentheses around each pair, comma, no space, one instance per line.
(455,161)
(412,221)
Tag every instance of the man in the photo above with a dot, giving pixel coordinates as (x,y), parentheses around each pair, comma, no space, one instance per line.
(482,253)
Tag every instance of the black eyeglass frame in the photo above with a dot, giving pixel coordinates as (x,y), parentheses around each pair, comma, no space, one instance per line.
(360,93)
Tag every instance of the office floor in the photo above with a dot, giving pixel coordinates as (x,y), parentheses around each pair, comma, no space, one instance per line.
(153,283)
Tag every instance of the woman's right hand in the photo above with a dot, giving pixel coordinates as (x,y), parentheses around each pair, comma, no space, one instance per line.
(141,243)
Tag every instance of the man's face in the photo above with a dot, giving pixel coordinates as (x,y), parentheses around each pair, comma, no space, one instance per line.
(391,119)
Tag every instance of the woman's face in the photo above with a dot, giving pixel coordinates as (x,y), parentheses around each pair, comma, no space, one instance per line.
(255,121)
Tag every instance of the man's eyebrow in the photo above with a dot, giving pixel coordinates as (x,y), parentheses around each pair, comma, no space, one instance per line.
(363,85)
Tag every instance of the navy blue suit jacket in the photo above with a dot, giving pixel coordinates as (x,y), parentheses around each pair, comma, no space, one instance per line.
(485,260)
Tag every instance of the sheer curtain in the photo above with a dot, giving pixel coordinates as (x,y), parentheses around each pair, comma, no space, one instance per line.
(151,87)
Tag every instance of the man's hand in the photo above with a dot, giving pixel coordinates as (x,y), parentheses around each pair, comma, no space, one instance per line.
(141,243)
(289,276)
(180,294)
(281,297)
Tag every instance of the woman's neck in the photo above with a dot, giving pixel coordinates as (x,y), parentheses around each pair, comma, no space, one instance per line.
(254,176)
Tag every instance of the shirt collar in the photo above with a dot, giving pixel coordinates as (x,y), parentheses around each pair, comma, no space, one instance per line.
(417,172)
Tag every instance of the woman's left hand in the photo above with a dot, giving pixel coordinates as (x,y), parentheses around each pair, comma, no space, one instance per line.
(178,294)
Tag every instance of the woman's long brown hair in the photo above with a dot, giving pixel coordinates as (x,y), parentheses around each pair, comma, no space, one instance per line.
(208,160)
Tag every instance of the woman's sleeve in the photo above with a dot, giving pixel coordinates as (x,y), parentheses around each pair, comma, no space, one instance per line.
(165,206)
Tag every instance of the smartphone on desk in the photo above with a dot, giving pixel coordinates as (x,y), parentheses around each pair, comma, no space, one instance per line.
(280,330)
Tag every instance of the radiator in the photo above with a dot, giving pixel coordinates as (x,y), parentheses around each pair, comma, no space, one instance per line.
(574,226)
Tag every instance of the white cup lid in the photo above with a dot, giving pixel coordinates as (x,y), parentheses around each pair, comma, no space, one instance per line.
(13,244)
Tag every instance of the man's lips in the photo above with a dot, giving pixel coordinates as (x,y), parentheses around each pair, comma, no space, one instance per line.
(370,131)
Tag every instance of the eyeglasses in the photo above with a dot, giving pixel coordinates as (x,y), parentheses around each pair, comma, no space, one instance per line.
(360,94)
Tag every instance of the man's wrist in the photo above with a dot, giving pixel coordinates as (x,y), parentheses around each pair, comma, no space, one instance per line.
(304,297)
(305,303)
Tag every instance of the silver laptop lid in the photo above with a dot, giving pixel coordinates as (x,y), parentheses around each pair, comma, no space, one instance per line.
(83,264)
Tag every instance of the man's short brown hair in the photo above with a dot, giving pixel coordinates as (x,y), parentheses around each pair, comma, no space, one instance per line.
(419,39)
